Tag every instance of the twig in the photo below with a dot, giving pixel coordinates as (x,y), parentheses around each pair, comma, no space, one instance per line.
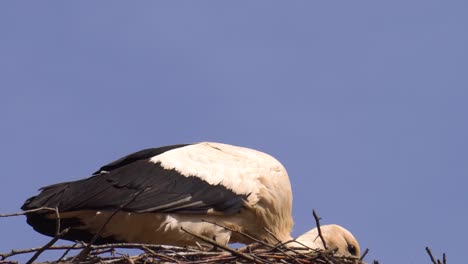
(30,211)
(317,222)
(238,232)
(280,243)
(328,252)
(254,239)
(364,254)
(82,255)
(65,253)
(216,259)
(48,245)
(57,235)
(57,223)
(294,249)
(93,247)
(251,247)
(271,234)
(430,255)
(214,243)
(162,256)
(8,262)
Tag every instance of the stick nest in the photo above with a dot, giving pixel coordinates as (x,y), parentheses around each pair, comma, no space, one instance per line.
(112,253)
(258,252)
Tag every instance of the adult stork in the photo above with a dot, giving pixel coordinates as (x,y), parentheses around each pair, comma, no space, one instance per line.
(152,195)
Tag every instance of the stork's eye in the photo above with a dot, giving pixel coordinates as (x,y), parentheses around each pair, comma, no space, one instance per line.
(352,250)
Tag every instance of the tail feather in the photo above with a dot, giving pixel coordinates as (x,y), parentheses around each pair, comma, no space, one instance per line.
(49,197)
(45,222)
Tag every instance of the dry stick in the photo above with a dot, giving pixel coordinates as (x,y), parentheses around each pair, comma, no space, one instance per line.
(217,259)
(140,257)
(444,260)
(250,247)
(272,235)
(238,232)
(260,242)
(30,211)
(129,260)
(316,251)
(347,258)
(73,247)
(57,223)
(112,251)
(8,262)
(189,254)
(364,254)
(280,244)
(161,256)
(82,255)
(57,236)
(254,239)
(65,253)
(328,252)
(292,249)
(317,222)
(48,245)
(430,255)
(94,247)
(3,256)
(325,254)
(175,254)
(214,243)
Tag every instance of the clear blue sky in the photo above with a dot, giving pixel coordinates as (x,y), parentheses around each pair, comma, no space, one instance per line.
(364,102)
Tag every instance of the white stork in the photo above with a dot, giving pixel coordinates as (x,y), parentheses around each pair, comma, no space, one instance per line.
(154,193)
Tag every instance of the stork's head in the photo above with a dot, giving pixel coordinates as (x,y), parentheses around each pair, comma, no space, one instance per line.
(334,236)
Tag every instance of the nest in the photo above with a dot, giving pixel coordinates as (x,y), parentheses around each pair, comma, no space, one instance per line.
(112,253)
(258,252)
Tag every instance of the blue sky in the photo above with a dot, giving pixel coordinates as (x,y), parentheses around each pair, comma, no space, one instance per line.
(364,102)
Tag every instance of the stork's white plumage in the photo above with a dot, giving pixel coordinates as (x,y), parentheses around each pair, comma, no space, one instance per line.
(156,192)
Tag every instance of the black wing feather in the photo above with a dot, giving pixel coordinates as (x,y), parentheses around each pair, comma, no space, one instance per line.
(139,155)
(136,182)
(142,186)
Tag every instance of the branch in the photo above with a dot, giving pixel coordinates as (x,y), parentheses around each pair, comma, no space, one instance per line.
(214,243)
(272,235)
(48,245)
(430,255)
(257,241)
(82,255)
(57,235)
(30,211)
(317,222)
(238,232)
(66,252)
(280,244)
(161,256)
(364,254)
